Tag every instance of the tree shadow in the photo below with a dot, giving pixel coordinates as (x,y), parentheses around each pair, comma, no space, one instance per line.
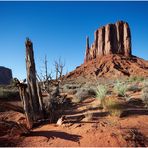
(55,134)
(131,112)
(73,112)
(79,118)
(97,115)
(7,142)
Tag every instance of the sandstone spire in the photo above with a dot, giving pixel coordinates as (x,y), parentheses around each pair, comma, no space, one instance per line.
(87,53)
(110,39)
(127,40)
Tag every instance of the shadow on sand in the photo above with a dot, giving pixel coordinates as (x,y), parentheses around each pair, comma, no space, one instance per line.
(55,134)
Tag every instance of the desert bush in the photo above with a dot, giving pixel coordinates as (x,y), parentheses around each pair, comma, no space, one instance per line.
(120,88)
(70,91)
(145,94)
(112,106)
(136,79)
(101,91)
(70,88)
(134,88)
(84,93)
(54,107)
(8,94)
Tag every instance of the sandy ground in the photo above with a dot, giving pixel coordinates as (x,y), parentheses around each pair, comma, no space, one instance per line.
(106,132)
(83,127)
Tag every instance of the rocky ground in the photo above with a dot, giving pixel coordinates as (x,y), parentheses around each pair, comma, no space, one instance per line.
(85,123)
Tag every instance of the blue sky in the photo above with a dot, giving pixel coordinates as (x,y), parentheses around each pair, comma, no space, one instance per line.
(59,29)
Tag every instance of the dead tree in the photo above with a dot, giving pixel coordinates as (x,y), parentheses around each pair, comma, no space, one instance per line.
(59,66)
(25,101)
(56,69)
(46,70)
(33,88)
(45,76)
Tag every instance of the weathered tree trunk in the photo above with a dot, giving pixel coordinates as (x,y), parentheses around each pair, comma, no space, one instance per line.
(26,104)
(33,89)
(40,97)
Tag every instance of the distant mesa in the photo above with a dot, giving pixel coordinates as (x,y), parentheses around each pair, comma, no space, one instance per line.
(110,39)
(5,75)
(110,55)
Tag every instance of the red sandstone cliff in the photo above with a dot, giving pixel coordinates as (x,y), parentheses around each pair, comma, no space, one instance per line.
(110,39)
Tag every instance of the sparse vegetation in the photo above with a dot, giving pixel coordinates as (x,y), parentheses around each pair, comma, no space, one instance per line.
(65,89)
(112,105)
(101,92)
(145,93)
(8,93)
(134,88)
(59,67)
(120,88)
(70,89)
(136,79)
(82,94)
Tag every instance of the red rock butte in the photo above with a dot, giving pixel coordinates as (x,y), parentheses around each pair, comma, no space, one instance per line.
(110,39)
(110,55)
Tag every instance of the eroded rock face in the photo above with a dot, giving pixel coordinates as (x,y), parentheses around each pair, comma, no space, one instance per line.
(5,75)
(110,39)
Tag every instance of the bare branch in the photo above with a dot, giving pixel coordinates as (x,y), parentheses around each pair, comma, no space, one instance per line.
(59,66)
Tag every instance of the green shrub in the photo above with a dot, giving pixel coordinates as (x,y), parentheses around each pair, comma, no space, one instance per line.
(134,88)
(101,92)
(136,79)
(120,88)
